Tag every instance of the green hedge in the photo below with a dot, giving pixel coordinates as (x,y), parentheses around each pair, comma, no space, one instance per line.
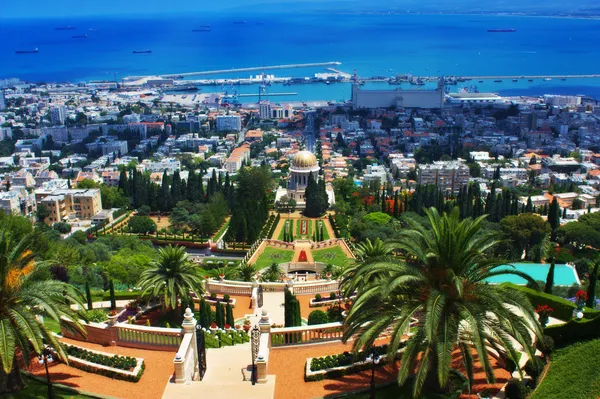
(107,373)
(118,362)
(563,309)
(574,330)
(121,295)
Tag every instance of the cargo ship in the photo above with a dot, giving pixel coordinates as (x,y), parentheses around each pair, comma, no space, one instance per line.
(202,29)
(502,30)
(35,50)
(80,37)
(239,22)
(65,28)
(142,51)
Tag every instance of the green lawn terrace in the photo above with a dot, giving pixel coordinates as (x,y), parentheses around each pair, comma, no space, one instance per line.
(272,255)
(335,256)
(303,229)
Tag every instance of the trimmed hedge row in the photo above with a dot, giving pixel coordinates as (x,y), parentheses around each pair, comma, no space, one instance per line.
(343,359)
(574,330)
(118,362)
(110,373)
(273,226)
(563,309)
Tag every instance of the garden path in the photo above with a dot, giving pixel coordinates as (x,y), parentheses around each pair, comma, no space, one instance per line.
(302,246)
(159,369)
(273,304)
(227,376)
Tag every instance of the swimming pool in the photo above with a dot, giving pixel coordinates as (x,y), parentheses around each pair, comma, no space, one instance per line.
(563,274)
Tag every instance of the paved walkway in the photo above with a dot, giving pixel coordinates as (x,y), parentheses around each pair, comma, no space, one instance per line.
(105,304)
(302,246)
(273,304)
(159,369)
(227,376)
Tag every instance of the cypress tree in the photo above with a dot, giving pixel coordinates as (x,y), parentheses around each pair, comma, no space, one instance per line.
(191,304)
(529,206)
(564,214)
(113,301)
(591,292)
(164,203)
(550,279)
(229,315)
(123,183)
(88,295)
(176,189)
(396,205)
(219,316)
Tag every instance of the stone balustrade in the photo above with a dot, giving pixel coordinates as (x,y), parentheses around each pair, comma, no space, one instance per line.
(186,358)
(316,287)
(228,287)
(145,337)
(306,334)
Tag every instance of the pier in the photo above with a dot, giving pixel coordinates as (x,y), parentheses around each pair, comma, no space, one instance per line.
(233,70)
(269,95)
(590,76)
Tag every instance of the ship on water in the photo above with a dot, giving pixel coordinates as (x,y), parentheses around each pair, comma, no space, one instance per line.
(502,30)
(142,51)
(65,28)
(239,22)
(35,50)
(79,36)
(202,29)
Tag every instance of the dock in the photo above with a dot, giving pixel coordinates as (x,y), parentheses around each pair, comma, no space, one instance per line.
(590,76)
(267,95)
(233,70)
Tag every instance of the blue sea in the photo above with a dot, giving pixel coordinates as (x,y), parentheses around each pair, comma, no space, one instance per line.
(370,44)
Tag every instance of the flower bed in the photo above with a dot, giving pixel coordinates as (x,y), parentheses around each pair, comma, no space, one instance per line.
(324,302)
(335,366)
(113,366)
(221,338)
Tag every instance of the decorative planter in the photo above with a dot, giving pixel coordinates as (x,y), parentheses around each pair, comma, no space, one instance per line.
(112,320)
(246,328)
(214,330)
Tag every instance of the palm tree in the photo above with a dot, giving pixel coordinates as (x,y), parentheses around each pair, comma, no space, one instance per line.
(23,296)
(440,283)
(368,255)
(171,276)
(246,271)
(272,273)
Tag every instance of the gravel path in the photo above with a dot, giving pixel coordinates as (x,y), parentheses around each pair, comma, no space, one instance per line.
(159,369)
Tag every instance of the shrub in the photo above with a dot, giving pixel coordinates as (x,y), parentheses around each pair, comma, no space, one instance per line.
(317,317)
(534,368)
(118,362)
(562,308)
(62,227)
(547,345)
(318,297)
(574,330)
(96,315)
(332,296)
(515,389)
(226,298)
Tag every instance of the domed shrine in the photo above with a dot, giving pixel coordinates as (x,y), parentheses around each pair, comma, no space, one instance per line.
(303,164)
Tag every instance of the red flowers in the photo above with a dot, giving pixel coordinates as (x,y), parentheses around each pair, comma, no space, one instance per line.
(213,325)
(544,310)
(227,326)
(581,295)
(302,257)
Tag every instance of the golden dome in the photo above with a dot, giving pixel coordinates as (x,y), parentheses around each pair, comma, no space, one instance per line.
(304,159)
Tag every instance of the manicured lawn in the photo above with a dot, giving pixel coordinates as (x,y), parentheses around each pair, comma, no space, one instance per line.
(573,373)
(299,228)
(276,255)
(282,232)
(39,390)
(219,233)
(325,232)
(334,255)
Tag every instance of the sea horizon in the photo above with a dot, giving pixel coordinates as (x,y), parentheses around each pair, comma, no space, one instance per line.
(372,44)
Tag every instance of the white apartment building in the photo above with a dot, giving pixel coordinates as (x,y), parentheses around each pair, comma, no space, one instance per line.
(446,175)
(229,122)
